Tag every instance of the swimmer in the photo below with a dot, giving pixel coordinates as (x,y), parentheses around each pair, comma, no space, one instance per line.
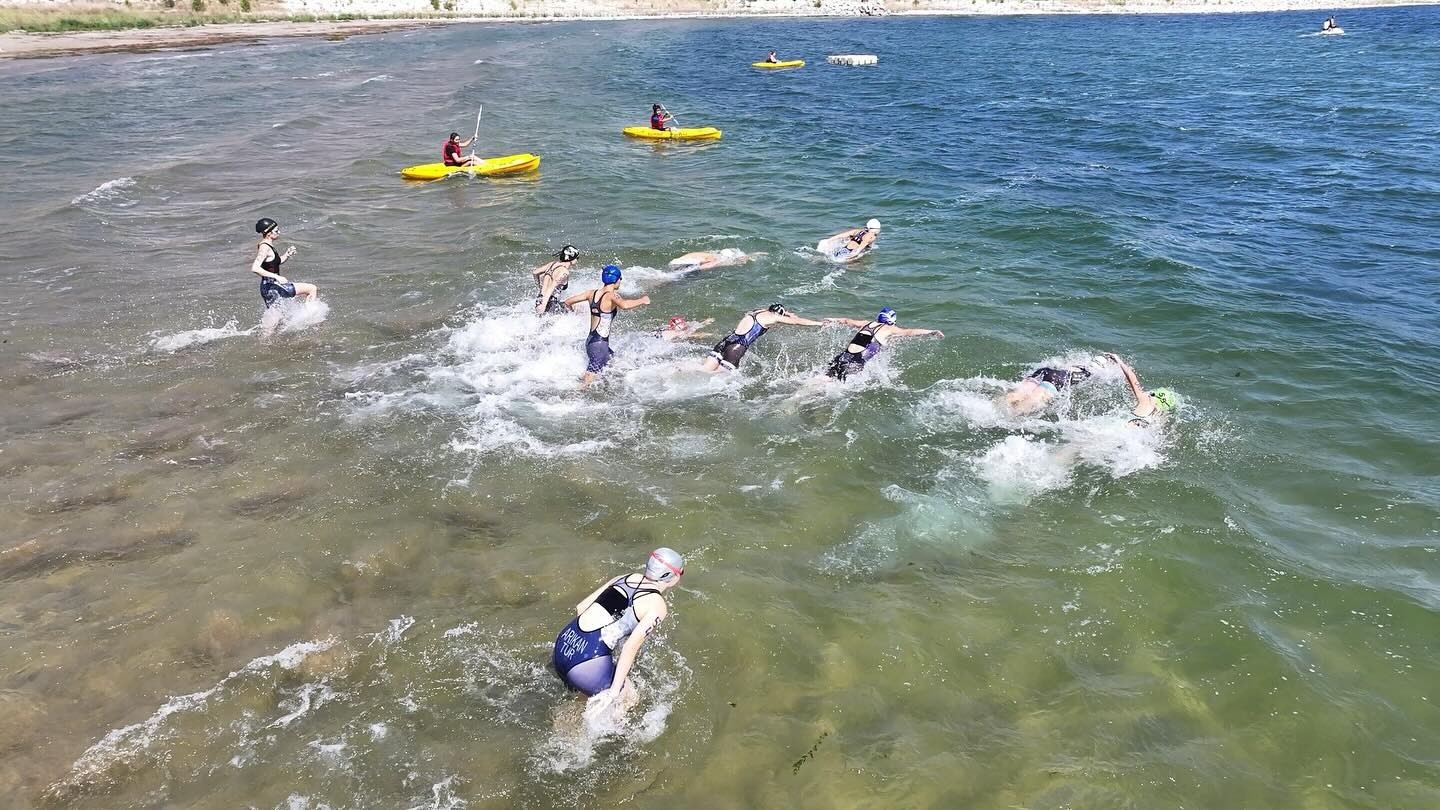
(727,352)
(597,345)
(659,118)
(554,278)
(868,342)
(450,153)
(1151,407)
(1042,385)
(677,328)
(625,609)
(705,260)
(268,260)
(847,246)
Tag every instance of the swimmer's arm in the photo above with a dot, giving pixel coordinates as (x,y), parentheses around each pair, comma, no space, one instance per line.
(698,335)
(1144,404)
(796,320)
(632,647)
(577,298)
(847,322)
(902,332)
(631,303)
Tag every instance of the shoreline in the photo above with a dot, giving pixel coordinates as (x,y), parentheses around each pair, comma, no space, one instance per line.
(27,45)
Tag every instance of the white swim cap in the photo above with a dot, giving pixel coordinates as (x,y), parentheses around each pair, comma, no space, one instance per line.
(873,224)
(664,565)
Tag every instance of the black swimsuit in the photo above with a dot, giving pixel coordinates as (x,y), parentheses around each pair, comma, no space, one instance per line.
(554,304)
(270,289)
(849,362)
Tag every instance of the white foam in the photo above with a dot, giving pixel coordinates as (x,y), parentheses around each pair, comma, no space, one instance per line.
(123,744)
(292,315)
(383,77)
(109,190)
(198,337)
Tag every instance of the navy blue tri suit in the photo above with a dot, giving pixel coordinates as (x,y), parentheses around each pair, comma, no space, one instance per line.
(733,347)
(583,658)
(271,290)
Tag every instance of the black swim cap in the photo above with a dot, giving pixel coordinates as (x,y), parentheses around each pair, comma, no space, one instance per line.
(266,225)
(568,253)
(779,309)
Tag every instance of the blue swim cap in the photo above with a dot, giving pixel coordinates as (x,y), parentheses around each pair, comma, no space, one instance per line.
(610,274)
(886,316)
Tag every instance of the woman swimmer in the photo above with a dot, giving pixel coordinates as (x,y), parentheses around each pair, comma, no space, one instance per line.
(727,352)
(1040,387)
(554,278)
(872,337)
(706,260)
(677,328)
(624,610)
(267,264)
(847,246)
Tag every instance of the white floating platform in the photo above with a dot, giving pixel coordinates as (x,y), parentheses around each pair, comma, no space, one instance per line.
(853,59)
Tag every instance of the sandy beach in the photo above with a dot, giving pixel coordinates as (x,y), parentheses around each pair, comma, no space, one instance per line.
(390,15)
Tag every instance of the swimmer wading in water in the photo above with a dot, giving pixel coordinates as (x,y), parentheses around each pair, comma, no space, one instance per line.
(621,614)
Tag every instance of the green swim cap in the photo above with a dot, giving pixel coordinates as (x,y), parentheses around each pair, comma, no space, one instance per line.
(1165,400)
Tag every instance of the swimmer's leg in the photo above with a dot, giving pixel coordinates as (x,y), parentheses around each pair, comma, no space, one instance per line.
(306,291)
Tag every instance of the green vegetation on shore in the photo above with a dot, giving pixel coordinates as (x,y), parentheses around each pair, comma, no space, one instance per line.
(80,18)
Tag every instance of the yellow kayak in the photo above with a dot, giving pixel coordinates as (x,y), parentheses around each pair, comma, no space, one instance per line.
(695,134)
(791,63)
(489,167)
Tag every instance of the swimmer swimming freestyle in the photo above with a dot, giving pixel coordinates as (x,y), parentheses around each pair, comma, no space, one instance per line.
(869,341)
(619,614)
(728,352)
(847,246)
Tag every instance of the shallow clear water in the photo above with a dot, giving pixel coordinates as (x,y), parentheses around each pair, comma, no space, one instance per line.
(324,568)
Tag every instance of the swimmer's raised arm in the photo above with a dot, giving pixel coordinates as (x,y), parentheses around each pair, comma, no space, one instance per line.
(577,298)
(1144,403)
(630,303)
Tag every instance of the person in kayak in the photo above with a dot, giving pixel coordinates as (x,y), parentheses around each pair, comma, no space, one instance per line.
(451,152)
(621,613)
(728,352)
(771,59)
(677,328)
(659,119)
(1040,387)
(1151,407)
(872,337)
(706,260)
(553,278)
(1328,24)
(597,344)
(268,260)
(847,246)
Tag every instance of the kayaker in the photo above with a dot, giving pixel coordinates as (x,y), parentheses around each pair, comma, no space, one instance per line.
(728,352)
(1328,24)
(597,344)
(268,260)
(772,59)
(451,153)
(847,246)
(620,614)
(659,119)
(872,337)
(553,278)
